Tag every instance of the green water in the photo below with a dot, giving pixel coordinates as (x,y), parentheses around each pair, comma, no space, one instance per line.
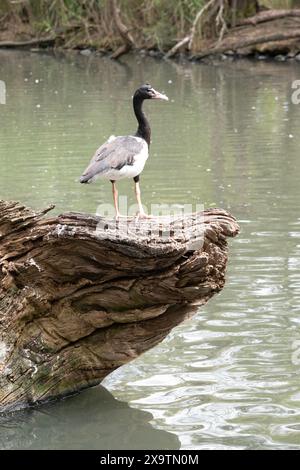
(230,377)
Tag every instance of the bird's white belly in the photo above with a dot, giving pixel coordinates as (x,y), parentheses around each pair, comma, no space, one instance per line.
(128,171)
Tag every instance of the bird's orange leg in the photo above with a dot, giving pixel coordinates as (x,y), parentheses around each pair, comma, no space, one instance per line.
(115,196)
(141,214)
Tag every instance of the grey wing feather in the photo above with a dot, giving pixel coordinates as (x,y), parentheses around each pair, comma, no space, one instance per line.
(112,155)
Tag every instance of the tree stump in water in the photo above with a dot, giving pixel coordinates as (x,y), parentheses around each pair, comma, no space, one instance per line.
(81,296)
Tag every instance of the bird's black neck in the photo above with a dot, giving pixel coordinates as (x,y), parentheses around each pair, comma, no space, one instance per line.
(143,130)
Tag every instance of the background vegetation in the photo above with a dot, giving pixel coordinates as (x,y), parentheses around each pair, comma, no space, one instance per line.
(157,24)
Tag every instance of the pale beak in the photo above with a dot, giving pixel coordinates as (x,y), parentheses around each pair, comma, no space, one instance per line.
(159,96)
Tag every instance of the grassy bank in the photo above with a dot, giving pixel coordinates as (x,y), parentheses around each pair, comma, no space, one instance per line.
(82,23)
(152,24)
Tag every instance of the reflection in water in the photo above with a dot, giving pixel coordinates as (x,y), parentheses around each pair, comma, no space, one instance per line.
(228,137)
(91,420)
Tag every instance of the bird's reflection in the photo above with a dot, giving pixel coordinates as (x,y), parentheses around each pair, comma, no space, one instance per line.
(92,420)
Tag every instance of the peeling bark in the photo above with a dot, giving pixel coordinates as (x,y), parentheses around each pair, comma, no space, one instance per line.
(79,296)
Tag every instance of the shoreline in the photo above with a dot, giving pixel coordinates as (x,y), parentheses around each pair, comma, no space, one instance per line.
(230,56)
(267,35)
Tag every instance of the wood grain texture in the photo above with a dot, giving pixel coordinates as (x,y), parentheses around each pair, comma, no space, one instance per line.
(81,295)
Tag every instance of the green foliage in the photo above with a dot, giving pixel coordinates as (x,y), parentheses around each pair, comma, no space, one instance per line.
(153,23)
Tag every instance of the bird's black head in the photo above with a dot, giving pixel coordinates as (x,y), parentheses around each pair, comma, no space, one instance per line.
(146,92)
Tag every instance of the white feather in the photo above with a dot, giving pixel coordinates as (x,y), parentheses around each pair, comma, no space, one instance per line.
(129,171)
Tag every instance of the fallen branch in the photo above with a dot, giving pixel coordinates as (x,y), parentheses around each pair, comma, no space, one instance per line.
(190,38)
(30,42)
(232,44)
(120,51)
(177,46)
(220,22)
(268,15)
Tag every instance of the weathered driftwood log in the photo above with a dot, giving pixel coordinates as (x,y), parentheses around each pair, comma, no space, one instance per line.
(80,296)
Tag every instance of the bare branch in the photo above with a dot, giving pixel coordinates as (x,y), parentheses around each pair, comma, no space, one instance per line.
(196,21)
(123,31)
(30,42)
(235,44)
(268,15)
(177,46)
(220,21)
(190,38)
